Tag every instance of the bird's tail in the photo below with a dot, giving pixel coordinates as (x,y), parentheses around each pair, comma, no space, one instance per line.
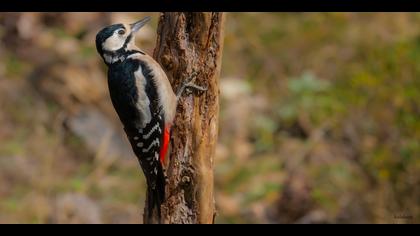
(155,198)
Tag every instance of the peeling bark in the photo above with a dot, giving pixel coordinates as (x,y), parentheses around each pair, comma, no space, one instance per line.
(188,44)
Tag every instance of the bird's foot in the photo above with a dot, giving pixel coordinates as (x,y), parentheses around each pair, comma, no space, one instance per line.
(189,84)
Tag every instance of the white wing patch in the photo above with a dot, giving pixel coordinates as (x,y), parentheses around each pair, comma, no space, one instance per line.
(167,97)
(155,142)
(143,101)
(147,136)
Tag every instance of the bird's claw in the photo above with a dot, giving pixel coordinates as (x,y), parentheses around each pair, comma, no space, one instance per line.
(191,85)
(194,86)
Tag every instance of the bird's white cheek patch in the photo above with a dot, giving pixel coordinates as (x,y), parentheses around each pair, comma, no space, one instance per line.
(113,43)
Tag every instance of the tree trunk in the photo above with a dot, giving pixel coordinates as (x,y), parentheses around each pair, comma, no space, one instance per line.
(188,44)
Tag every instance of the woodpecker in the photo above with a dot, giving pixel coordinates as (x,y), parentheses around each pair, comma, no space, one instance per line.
(143,99)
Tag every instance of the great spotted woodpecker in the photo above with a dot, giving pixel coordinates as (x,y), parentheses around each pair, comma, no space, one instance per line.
(143,99)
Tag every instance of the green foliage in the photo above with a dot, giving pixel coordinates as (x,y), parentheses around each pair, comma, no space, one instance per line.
(311,97)
(352,76)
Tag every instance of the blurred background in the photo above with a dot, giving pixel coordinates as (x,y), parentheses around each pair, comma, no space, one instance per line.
(319,123)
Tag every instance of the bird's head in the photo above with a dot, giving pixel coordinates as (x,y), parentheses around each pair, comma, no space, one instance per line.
(113,41)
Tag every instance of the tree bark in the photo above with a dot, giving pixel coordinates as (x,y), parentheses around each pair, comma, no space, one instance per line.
(188,44)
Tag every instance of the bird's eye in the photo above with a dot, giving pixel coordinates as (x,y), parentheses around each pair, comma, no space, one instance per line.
(121,32)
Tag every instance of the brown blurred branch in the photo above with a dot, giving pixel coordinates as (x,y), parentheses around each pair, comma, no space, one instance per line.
(190,43)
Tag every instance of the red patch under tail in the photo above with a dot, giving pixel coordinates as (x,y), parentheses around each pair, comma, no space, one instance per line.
(166,136)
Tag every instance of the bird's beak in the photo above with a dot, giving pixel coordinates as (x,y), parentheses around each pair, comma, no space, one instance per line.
(137,25)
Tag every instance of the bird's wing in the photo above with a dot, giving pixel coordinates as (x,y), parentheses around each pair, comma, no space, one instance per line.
(148,139)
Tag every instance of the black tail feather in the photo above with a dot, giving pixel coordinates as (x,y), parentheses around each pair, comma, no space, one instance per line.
(155,197)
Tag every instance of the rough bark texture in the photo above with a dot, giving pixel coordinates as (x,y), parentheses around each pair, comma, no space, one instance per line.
(188,44)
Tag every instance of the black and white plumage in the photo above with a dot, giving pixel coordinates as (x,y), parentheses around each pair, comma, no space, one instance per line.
(143,99)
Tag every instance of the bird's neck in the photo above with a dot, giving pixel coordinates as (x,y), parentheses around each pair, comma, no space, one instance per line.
(113,57)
